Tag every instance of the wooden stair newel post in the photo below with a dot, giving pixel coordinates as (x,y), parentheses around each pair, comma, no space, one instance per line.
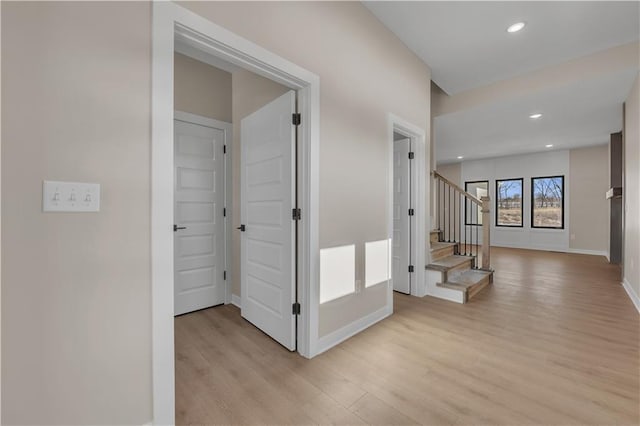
(486,239)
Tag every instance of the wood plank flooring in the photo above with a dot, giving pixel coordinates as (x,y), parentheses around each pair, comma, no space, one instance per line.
(554,341)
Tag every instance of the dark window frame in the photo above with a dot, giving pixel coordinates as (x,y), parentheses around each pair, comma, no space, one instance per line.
(521,203)
(465,206)
(561,227)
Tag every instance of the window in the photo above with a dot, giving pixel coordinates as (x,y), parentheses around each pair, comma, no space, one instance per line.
(478,189)
(509,202)
(547,202)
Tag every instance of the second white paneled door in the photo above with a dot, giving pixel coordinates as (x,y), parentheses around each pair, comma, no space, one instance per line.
(199,234)
(401,241)
(267,168)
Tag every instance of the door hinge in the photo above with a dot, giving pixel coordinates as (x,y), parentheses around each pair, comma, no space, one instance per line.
(411,155)
(224,211)
(295,309)
(296,214)
(410,268)
(296,119)
(224,275)
(411,212)
(224,149)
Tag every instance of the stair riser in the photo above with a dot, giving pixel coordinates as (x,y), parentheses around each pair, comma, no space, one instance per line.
(458,269)
(474,290)
(443,252)
(434,236)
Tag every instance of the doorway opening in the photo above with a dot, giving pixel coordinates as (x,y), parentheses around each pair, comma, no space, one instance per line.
(235,204)
(402,267)
(172,24)
(409,159)
(200,213)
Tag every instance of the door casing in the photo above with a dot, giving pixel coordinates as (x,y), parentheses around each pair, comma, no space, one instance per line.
(171,21)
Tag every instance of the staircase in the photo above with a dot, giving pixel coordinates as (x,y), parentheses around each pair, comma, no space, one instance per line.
(456,247)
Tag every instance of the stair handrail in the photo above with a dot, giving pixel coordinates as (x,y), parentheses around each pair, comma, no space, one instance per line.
(485,209)
(457,188)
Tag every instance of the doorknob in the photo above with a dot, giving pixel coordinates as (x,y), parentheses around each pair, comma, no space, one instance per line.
(176,227)
(242,228)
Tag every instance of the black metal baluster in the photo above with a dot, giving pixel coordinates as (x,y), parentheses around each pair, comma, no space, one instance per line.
(449,206)
(455,197)
(465,225)
(477,240)
(446,213)
(471,235)
(438,205)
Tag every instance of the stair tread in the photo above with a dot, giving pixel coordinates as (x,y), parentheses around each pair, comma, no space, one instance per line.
(441,245)
(448,262)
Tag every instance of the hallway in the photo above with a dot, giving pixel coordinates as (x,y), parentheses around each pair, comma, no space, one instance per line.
(554,340)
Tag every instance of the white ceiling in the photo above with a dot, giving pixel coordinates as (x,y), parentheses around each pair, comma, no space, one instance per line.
(583,113)
(466,44)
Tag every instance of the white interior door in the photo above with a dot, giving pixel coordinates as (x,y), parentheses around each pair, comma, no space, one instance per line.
(199,250)
(267,168)
(401,242)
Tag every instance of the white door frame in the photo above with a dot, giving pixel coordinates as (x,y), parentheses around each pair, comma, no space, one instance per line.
(227,128)
(172,21)
(419,201)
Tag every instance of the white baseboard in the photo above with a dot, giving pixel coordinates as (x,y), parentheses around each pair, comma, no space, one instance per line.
(525,247)
(590,252)
(332,339)
(554,249)
(236,300)
(632,294)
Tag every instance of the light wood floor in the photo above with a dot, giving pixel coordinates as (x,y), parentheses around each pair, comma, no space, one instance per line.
(553,341)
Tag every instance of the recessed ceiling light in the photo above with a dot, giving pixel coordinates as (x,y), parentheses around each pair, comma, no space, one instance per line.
(535,116)
(549,145)
(516,27)
(460,157)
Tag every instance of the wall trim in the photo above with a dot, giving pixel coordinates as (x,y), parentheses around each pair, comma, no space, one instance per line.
(168,21)
(336,337)
(632,294)
(236,300)
(590,252)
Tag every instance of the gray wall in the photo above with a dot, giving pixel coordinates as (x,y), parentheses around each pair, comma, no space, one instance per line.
(201,89)
(76,289)
(356,93)
(632,189)
(588,210)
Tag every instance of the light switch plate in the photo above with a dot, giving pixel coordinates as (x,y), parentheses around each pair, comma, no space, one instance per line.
(70,196)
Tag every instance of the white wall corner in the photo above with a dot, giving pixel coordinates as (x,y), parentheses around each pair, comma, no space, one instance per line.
(632,294)
(236,300)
